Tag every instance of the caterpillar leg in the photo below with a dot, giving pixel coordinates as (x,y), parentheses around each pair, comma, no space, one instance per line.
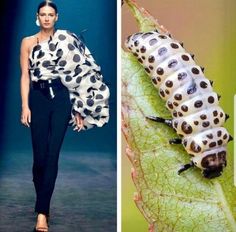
(185,167)
(168,122)
(175,141)
(230,138)
(226,117)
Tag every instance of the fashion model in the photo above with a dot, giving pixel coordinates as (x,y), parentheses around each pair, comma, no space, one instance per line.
(60,84)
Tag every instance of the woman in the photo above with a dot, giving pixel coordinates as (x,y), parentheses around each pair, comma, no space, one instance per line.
(60,84)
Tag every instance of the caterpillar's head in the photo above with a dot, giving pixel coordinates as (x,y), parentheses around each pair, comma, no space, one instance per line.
(212,162)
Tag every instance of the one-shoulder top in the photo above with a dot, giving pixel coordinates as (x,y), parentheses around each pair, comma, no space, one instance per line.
(66,57)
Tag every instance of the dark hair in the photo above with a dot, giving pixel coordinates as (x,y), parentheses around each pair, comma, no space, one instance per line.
(47,3)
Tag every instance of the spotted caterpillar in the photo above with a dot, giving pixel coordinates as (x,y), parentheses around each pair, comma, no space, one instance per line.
(189,96)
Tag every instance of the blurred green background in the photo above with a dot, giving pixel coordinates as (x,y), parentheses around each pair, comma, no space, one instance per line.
(207,28)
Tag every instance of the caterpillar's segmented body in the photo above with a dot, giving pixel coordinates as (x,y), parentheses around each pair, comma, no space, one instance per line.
(189,97)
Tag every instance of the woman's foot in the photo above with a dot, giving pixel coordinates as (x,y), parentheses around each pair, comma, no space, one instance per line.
(42,224)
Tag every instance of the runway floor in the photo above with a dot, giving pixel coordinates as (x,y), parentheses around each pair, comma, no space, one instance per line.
(84,199)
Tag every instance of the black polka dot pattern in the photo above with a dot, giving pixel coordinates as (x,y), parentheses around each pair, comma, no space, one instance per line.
(198,104)
(178,97)
(195,71)
(52,47)
(151,59)
(192,89)
(203,84)
(185,57)
(160,71)
(143,49)
(46,63)
(40,54)
(80,104)
(102,87)
(184,108)
(90,102)
(172,63)
(68,78)
(78,79)
(66,57)
(59,53)
(169,84)
(77,70)
(98,109)
(174,45)
(61,37)
(136,43)
(152,42)
(62,63)
(67,72)
(146,35)
(188,93)
(93,79)
(76,58)
(162,37)
(71,47)
(187,129)
(37,72)
(99,96)
(162,51)
(195,147)
(182,76)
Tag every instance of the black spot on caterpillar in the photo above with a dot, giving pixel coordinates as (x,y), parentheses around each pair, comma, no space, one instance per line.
(197,116)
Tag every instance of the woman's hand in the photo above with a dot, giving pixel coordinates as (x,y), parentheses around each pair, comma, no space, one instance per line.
(26,116)
(79,121)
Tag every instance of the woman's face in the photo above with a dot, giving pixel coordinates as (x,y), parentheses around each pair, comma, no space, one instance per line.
(47,17)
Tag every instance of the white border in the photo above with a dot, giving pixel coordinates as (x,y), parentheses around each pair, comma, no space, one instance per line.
(118,116)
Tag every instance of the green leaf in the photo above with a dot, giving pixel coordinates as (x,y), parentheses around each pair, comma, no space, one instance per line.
(169,202)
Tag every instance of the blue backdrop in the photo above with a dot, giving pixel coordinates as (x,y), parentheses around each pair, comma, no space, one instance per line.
(98,18)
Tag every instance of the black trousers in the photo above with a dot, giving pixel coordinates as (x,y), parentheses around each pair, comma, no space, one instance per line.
(49,120)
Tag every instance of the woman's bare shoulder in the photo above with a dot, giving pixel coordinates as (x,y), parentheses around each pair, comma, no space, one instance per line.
(29,41)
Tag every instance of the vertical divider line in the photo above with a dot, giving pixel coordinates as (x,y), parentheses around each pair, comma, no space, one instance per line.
(234,140)
(119,169)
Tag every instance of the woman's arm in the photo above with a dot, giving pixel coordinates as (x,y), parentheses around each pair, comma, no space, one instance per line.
(25,82)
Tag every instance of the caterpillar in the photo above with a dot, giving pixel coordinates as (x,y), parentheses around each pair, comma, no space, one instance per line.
(196,115)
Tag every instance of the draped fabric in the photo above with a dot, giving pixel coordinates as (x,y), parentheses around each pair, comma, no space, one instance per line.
(66,57)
